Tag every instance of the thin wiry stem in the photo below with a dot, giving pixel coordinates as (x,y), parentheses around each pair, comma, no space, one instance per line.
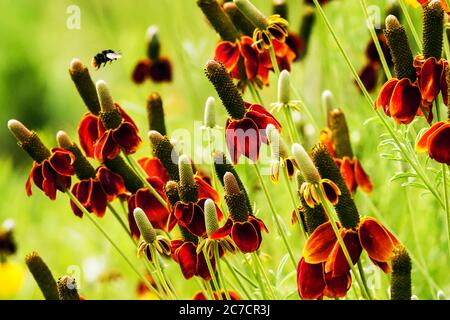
(410,24)
(220,272)
(212,273)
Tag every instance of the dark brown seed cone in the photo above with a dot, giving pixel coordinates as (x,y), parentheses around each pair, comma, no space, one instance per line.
(83,168)
(226,89)
(237,206)
(34,146)
(239,20)
(187,235)
(306,27)
(222,166)
(85,86)
(401,275)
(345,208)
(155,113)
(280,7)
(433,30)
(188,193)
(111,119)
(340,133)
(219,19)
(43,276)
(119,166)
(171,190)
(67,288)
(314,217)
(400,50)
(164,151)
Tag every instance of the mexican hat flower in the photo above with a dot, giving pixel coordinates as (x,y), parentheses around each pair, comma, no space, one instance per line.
(52,169)
(245,229)
(245,128)
(436,141)
(233,295)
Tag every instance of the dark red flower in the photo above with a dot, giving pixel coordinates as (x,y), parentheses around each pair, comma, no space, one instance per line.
(284,54)
(54,173)
(244,136)
(95,193)
(191,263)
(156,213)
(233,295)
(432,79)
(154,168)
(159,70)
(354,174)
(436,141)
(400,99)
(245,234)
(295,43)
(369,76)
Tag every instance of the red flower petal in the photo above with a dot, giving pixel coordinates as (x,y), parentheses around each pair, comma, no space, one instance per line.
(153,209)
(187,258)
(320,244)
(405,101)
(361,177)
(61,161)
(88,133)
(243,138)
(153,167)
(205,190)
(222,232)
(337,286)
(228,53)
(49,183)
(439,144)
(141,71)
(245,236)
(202,267)
(161,70)
(310,280)
(346,169)
(33,171)
(336,262)
(384,97)
(126,135)
(75,209)
(430,79)
(106,147)
(250,55)
(112,183)
(376,240)
(98,199)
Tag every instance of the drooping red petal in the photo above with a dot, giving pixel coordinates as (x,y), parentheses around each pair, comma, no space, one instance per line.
(320,244)
(337,262)
(384,97)
(384,266)
(187,258)
(361,177)
(310,280)
(84,190)
(439,144)
(127,137)
(153,167)
(243,138)
(98,199)
(422,144)
(88,133)
(161,70)
(369,76)
(197,225)
(112,183)
(106,147)
(337,286)
(205,190)
(245,236)
(49,182)
(223,231)
(61,161)
(184,213)
(430,79)
(228,53)
(154,210)
(376,240)
(131,222)
(75,209)
(346,169)
(250,56)
(405,101)
(141,71)
(34,170)
(202,267)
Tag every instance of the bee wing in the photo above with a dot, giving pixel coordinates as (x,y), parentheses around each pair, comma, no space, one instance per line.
(113,55)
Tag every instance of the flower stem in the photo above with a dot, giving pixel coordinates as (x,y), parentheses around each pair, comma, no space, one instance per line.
(330,213)
(105,234)
(161,277)
(273,59)
(410,24)
(376,41)
(255,94)
(363,278)
(219,269)
(210,290)
(241,284)
(138,170)
(121,222)
(275,215)
(263,271)
(293,133)
(401,145)
(212,273)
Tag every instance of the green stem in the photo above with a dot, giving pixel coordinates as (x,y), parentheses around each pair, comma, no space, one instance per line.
(410,24)
(161,277)
(209,289)
(376,41)
(363,279)
(447,208)
(105,234)
(273,59)
(406,154)
(275,215)
(263,271)
(261,285)
(121,222)
(244,276)
(202,287)
(293,133)
(256,97)
(241,284)
(212,273)
(219,269)
(138,170)
(330,213)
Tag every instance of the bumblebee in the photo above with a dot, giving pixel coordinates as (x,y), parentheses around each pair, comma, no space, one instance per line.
(104,57)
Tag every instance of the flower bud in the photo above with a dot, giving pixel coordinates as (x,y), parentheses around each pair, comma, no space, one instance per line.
(239,20)
(433,30)
(164,151)
(42,275)
(340,133)
(305,164)
(85,86)
(235,199)
(153,48)
(171,190)
(210,113)
(67,288)
(144,225)
(211,219)
(219,19)
(400,50)
(328,101)
(284,87)
(401,275)
(187,188)
(226,89)
(155,113)
(252,13)
(109,114)
(29,141)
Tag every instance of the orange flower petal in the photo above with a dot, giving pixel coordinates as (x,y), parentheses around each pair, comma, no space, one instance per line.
(336,262)
(430,79)
(320,244)
(385,95)
(439,144)
(346,169)
(422,144)
(376,240)
(361,177)
(405,101)
(310,280)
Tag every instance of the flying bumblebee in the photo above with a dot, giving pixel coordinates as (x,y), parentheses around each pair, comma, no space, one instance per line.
(104,57)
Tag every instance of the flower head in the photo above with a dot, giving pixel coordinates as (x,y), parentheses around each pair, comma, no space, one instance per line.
(436,141)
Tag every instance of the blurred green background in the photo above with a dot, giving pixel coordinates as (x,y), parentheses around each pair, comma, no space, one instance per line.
(35,88)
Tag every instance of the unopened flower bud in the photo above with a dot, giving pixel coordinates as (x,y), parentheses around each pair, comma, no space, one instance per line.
(210,113)
(307,167)
(401,275)
(235,199)
(109,114)
(19,130)
(252,13)
(211,219)
(144,225)
(164,151)
(42,275)
(171,190)
(155,113)
(284,87)
(85,86)
(340,133)
(29,141)
(187,189)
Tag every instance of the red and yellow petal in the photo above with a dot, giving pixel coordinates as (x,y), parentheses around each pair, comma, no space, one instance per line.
(223,231)
(384,97)
(245,236)
(337,287)
(310,280)
(439,145)
(337,263)
(205,190)
(127,137)
(228,53)
(378,242)
(361,177)
(88,133)
(405,101)
(61,161)
(106,147)
(153,167)
(422,144)
(320,244)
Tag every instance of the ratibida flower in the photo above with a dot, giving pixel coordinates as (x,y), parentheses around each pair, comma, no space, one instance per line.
(244,228)
(52,169)
(436,141)
(245,128)
(267,29)
(154,67)
(189,211)
(151,243)
(96,188)
(280,154)
(313,184)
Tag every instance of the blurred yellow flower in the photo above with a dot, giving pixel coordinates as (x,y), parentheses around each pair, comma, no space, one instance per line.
(11,279)
(413,3)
